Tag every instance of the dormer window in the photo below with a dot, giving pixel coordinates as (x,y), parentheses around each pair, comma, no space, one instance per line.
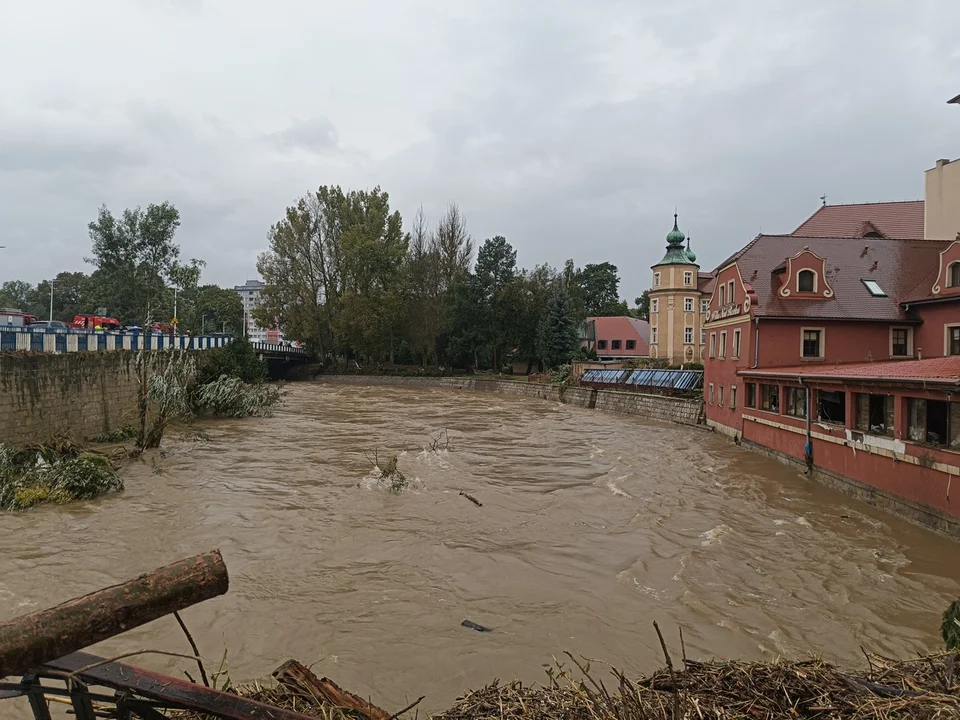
(805,281)
(953,275)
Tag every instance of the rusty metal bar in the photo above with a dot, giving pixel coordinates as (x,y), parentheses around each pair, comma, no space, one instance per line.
(170,690)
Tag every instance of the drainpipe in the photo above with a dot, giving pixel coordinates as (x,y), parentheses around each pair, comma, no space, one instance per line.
(808,448)
(756,344)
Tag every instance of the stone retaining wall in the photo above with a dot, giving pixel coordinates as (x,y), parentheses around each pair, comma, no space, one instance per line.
(654,407)
(77,395)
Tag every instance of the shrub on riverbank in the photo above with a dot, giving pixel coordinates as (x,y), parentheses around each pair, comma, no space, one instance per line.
(232,397)
(237,359)
(46,473)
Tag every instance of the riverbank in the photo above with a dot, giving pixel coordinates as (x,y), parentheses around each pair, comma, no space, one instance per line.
(684,411)
(920,688)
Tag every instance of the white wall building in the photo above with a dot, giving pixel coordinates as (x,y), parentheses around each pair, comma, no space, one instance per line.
(250,296)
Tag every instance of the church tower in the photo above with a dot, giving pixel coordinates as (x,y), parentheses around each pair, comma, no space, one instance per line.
(675,303)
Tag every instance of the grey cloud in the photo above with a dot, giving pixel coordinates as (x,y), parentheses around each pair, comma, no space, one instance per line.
(314,135)
(572,129)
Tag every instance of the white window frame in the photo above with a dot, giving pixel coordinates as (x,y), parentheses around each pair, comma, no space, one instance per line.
(654,305)
(909,341)
(688,336)
(735,350)
(733,397)
(704,306)
(720,397)
(653,335)
(656,279)
(946,338)
(711,393)
(730,292)
(723,295)
(722,350)
(823,342)
(688,304)
(703,336)
(713,344)
(687,277)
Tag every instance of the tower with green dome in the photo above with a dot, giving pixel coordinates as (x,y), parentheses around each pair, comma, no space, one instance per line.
(675,319)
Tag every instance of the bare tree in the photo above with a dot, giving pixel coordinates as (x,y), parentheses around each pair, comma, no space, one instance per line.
(454,245)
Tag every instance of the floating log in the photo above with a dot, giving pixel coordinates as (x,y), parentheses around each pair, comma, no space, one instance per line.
(472,499)
(300,680)
(31,640)
(474,626)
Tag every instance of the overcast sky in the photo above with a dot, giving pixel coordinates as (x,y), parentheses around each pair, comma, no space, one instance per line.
(572,128)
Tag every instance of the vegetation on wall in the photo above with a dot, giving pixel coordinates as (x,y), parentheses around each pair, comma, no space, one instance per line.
(57,473)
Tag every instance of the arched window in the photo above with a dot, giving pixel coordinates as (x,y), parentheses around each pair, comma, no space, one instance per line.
(953,275)
(805,281)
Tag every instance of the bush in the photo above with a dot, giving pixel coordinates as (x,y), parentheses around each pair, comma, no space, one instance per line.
(231,397)
(33,476)
(237,359)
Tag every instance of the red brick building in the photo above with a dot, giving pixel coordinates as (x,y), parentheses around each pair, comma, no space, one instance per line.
(841,350)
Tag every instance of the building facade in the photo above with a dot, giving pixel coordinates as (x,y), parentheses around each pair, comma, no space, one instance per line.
(677,302)
(843,353)
(617,338)
(250,297)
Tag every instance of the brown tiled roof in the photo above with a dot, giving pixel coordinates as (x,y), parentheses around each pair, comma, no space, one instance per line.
(939,370)
(900,266)
(623,328)
(901,220)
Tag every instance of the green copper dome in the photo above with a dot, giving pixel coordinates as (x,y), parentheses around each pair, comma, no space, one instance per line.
(691,255)
(676,253)
(675,236)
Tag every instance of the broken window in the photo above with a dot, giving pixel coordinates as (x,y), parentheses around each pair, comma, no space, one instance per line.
(935,422)
(875,414)
(832,407)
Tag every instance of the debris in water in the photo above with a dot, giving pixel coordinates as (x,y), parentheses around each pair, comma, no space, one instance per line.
(472,499)
(474,626)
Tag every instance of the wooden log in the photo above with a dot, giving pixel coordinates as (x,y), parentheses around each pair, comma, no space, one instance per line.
(300,680)
(31,640)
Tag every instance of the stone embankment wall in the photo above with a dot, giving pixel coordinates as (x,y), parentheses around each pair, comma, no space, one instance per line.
(77,395)
(652,407)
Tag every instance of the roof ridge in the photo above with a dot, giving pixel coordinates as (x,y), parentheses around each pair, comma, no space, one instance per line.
(874,202)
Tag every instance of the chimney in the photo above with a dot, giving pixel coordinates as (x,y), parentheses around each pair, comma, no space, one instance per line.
(874,266)
(864,253)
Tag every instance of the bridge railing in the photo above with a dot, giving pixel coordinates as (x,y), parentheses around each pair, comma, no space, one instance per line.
(278,347)
(73,340)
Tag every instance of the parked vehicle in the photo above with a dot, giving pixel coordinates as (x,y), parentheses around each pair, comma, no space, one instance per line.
(96,322)
(49,324)
(15,318)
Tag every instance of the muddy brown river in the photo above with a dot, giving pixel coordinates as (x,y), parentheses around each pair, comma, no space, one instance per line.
(592,526)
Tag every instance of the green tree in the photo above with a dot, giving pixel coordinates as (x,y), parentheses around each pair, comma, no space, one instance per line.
(557,334)
(219,310)
(333,271)
(134,255)
(424,295)
(185,278)
(642,311)
(17,295)
(465,322)
(495,272)
(72,296)
(237,359)
(600,289)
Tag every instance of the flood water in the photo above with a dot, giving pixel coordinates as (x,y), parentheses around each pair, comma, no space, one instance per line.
(592,526)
